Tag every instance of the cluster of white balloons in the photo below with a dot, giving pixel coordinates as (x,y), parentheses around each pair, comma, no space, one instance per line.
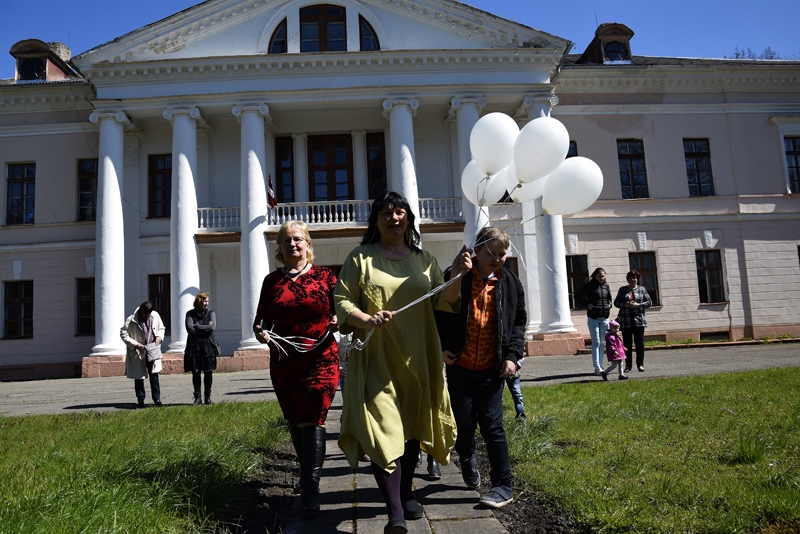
(528,164)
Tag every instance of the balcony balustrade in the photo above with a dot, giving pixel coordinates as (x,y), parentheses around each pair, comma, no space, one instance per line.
(329,214)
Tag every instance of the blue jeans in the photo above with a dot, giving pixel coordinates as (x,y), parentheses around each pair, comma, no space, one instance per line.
(597,330)
(477,398)
(516,394)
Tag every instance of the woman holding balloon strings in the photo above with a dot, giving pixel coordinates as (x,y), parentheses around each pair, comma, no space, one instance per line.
(396,398)
(297,300)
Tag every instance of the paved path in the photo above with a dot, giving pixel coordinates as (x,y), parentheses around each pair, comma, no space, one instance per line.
(350,501)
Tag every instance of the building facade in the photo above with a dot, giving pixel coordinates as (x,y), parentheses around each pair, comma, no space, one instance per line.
(139,170)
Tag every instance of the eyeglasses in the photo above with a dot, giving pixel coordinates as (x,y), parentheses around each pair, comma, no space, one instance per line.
(290,240)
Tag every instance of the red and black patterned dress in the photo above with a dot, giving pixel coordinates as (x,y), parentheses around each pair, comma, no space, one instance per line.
(305,382)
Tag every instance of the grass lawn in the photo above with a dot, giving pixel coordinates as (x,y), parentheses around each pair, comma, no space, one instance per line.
(180,469)
(707,454)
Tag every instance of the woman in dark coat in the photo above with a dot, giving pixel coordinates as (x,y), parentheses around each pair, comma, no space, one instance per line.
(633,300)
(201,351)
(596,296)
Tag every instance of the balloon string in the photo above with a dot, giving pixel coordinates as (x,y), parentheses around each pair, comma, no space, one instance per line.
(357,344)
(298,343)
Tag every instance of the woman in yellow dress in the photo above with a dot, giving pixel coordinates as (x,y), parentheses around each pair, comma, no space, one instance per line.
(396,398)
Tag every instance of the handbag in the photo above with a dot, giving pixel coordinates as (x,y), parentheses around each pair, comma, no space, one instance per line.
(153,352)
(215,347)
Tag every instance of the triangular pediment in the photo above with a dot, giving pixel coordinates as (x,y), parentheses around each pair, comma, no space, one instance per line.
(236,28)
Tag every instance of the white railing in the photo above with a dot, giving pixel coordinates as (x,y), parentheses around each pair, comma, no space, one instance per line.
(221,219)
(335,213)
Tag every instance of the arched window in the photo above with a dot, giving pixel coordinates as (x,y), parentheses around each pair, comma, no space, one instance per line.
(616,51)
(278,43)
(369,40)
(323,28)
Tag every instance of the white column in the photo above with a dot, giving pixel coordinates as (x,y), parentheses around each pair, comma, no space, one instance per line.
(109,280)
(468,111)
(184,267)
(403,175)
(253,247)
(531,279)
(300,167)
(360,171)
(551,253)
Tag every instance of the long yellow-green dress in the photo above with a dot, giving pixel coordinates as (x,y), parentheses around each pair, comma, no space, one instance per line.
(396,387)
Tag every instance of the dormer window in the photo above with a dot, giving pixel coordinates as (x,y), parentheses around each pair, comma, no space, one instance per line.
(323,28)
(34,68)
(616,51)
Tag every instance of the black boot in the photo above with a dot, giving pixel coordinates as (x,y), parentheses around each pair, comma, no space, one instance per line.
(197,400)
(208,397)
(312,456)
(297,441)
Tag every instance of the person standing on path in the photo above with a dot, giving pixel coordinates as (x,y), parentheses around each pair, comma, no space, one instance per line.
(297,300)
(615,352)
(143,328)
(633,300)
(596,296)
(396,399)
(201,349)
(482,344)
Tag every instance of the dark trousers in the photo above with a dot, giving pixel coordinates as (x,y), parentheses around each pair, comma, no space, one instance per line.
(155,388)
(208,379)
(630,336)
(477,399)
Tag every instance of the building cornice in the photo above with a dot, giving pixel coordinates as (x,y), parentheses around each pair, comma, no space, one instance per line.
(31,98)
(47,129)
(691,79)
(320,64)
(676,109)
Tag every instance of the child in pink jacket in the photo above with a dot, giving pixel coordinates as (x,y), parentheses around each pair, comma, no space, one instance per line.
(615,351)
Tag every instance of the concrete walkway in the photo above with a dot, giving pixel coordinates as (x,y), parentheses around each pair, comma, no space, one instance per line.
(350,500)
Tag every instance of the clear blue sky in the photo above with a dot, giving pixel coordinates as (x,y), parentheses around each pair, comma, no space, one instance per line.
(678,28)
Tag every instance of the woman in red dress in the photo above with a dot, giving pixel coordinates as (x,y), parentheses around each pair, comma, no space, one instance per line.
(297,300)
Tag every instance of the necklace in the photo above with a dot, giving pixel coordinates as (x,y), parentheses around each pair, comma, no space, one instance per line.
(294,275)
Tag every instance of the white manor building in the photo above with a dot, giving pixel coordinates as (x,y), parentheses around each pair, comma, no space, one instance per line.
(138,170)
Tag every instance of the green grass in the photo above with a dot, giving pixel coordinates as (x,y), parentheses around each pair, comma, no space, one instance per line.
(708,454)
(180,469)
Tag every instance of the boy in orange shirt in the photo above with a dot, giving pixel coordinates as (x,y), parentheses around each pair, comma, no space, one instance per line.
(481,345)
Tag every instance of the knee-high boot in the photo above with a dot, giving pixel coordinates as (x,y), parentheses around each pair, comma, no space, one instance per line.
(311,458)
(297,442)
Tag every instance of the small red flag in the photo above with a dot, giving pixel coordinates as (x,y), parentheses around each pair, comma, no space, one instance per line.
(271,200)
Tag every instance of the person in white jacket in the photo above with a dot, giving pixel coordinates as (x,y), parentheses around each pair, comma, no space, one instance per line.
(141,329)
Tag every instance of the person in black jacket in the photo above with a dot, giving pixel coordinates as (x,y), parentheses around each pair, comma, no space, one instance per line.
(596,296)
(481,345)
(201,351)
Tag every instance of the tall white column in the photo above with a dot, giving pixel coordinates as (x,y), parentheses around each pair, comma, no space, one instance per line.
(468,111)
(109,278)
(300,167)
(551,253)
(360,169)
(184,267)
(253,247)
(403,174)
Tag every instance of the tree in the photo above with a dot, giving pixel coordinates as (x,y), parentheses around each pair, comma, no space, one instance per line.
(747,53)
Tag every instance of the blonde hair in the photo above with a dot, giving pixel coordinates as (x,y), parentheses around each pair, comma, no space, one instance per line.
(491,233)
(284,230)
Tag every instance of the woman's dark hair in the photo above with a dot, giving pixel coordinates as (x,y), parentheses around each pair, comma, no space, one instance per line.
(596,272)
(632,273)
(145,307)
(395,200)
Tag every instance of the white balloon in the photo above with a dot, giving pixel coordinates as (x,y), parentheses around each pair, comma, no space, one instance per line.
(523,192)
(573,187)
(480,189)
(541,147)
(492,141)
